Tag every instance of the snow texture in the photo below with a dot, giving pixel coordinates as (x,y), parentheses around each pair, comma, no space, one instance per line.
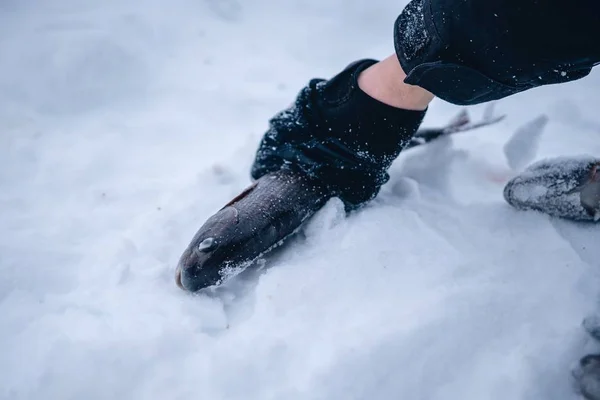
(126,124)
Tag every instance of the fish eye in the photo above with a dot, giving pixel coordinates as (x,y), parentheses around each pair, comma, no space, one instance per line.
(207,245)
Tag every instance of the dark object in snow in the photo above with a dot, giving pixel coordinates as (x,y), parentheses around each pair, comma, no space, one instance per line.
(251,224)
(562,187)
(460,123)
(263,215)
(587,373)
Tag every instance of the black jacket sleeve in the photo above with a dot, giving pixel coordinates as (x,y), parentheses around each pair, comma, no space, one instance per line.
(473,51)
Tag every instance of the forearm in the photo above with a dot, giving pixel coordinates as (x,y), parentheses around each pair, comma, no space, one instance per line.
(384,81)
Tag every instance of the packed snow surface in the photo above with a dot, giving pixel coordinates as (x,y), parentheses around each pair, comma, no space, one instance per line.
(126,124)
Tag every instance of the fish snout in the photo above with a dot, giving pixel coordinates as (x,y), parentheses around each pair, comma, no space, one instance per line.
(201,262)
(199,268)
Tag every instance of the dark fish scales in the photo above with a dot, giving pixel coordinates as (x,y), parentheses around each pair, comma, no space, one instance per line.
(248,226)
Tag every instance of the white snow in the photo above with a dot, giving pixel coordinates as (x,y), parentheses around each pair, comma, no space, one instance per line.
(125,124)
(522,147)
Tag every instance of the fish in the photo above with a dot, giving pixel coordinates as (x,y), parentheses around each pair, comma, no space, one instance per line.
(256,220)
(564,187)
(268,212)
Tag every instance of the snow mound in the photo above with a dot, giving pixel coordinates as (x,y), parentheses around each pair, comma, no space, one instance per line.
(127,123)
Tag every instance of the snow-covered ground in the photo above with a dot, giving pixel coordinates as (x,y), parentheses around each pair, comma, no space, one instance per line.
(125,124)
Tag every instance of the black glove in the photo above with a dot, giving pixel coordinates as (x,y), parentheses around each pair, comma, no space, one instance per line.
(338,134)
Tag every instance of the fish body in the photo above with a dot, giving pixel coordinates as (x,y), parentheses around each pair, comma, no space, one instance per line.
(561,187)
(252,223)
(270,210)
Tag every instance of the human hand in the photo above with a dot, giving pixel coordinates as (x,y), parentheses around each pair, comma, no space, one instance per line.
(338,134)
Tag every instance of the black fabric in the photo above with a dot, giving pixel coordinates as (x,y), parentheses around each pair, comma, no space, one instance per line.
(337,133)
(473,51)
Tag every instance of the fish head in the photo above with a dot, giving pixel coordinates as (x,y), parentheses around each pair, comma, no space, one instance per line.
(208,251)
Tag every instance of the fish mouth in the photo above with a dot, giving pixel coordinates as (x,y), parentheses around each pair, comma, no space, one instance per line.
(187,279)
(200,269)
(178,278)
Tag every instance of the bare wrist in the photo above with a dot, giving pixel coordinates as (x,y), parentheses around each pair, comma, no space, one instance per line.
(384,81)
